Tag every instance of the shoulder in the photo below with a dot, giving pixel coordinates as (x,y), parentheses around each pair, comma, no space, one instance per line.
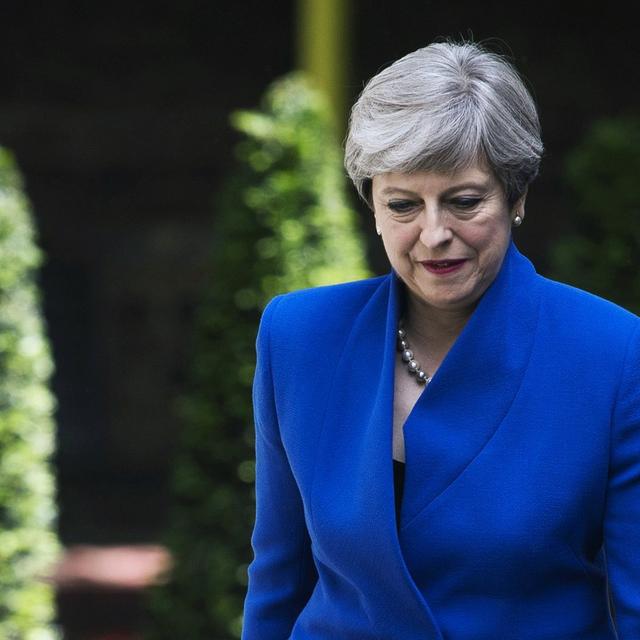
(584,317)
(345,292)
(565,298)
(329,306)
(302,333)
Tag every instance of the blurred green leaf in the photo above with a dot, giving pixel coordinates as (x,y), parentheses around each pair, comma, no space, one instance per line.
(28,546)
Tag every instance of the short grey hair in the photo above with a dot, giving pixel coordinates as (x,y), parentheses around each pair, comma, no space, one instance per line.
(445,107)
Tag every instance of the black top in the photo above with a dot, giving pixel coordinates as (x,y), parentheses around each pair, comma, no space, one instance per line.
(398,481)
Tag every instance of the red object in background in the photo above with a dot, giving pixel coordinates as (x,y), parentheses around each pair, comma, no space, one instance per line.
(121,567)
(100,589)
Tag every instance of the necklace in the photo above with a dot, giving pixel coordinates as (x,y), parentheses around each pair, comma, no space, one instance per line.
(413,366)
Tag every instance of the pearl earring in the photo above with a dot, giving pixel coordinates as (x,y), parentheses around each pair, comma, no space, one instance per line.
(517,221)
(378,231)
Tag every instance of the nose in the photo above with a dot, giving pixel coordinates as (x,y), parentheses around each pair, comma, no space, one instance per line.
(435,230)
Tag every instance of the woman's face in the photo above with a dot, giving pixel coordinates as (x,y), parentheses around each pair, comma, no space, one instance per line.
(445,234)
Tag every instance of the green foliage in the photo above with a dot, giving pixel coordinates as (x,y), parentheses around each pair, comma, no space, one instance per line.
(283,223)
(604,253)
(28,545)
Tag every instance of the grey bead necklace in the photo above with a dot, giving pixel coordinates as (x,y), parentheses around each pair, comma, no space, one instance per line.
(413,366)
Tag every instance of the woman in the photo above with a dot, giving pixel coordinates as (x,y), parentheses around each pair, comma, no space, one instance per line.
(508,403)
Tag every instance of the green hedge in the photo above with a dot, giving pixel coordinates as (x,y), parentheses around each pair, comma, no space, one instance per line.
(602,254)
(283,223)
(28,545)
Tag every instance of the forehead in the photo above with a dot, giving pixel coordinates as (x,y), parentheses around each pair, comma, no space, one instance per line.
(432,181)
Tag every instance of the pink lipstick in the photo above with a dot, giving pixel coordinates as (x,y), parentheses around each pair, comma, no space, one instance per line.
(443,267)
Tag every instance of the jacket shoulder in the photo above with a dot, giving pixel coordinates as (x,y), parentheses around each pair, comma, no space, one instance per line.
(328,306)
(583,316)
(307,328)
(572,300)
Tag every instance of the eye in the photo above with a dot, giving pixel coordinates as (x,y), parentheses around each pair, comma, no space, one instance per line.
(401,206)
(465,203)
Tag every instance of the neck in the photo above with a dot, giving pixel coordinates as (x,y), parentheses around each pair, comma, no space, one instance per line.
(434,330)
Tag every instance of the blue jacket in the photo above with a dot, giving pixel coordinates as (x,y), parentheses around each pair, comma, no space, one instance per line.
(521,509)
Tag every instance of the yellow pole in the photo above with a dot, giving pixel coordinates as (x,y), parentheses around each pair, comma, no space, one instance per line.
(322,50)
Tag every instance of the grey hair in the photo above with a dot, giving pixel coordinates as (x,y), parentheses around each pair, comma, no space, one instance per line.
(445,107)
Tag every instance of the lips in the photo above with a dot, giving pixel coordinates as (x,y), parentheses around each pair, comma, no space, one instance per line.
(443,266)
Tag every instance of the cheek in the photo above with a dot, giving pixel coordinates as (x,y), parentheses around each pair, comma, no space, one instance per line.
(400,240)
(492,246)
(491,237)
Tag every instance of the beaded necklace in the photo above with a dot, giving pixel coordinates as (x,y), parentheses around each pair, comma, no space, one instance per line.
(413,367)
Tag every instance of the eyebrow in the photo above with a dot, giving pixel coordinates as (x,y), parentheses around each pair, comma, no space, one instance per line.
(481,186)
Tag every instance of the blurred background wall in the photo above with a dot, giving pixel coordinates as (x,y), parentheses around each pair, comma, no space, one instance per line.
(118,115)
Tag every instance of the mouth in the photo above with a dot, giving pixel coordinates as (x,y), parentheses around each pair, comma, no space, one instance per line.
(442,267)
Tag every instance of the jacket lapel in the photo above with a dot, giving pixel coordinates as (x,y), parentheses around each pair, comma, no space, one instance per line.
(353,509)
(472,391)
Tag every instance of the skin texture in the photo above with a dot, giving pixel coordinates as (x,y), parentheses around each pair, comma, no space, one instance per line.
(438,216)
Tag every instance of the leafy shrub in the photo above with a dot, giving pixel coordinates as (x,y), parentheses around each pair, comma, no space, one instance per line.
(603,253)
(28,545)
(283,223)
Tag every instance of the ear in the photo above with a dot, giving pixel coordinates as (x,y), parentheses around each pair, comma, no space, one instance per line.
(517,209)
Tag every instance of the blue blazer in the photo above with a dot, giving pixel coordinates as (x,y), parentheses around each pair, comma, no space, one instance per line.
(521,509)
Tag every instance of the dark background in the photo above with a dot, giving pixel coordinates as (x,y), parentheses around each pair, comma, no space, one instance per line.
(118,115)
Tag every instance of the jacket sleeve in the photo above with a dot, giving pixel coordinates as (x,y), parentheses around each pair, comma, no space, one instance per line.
(622,516)
(282,574)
